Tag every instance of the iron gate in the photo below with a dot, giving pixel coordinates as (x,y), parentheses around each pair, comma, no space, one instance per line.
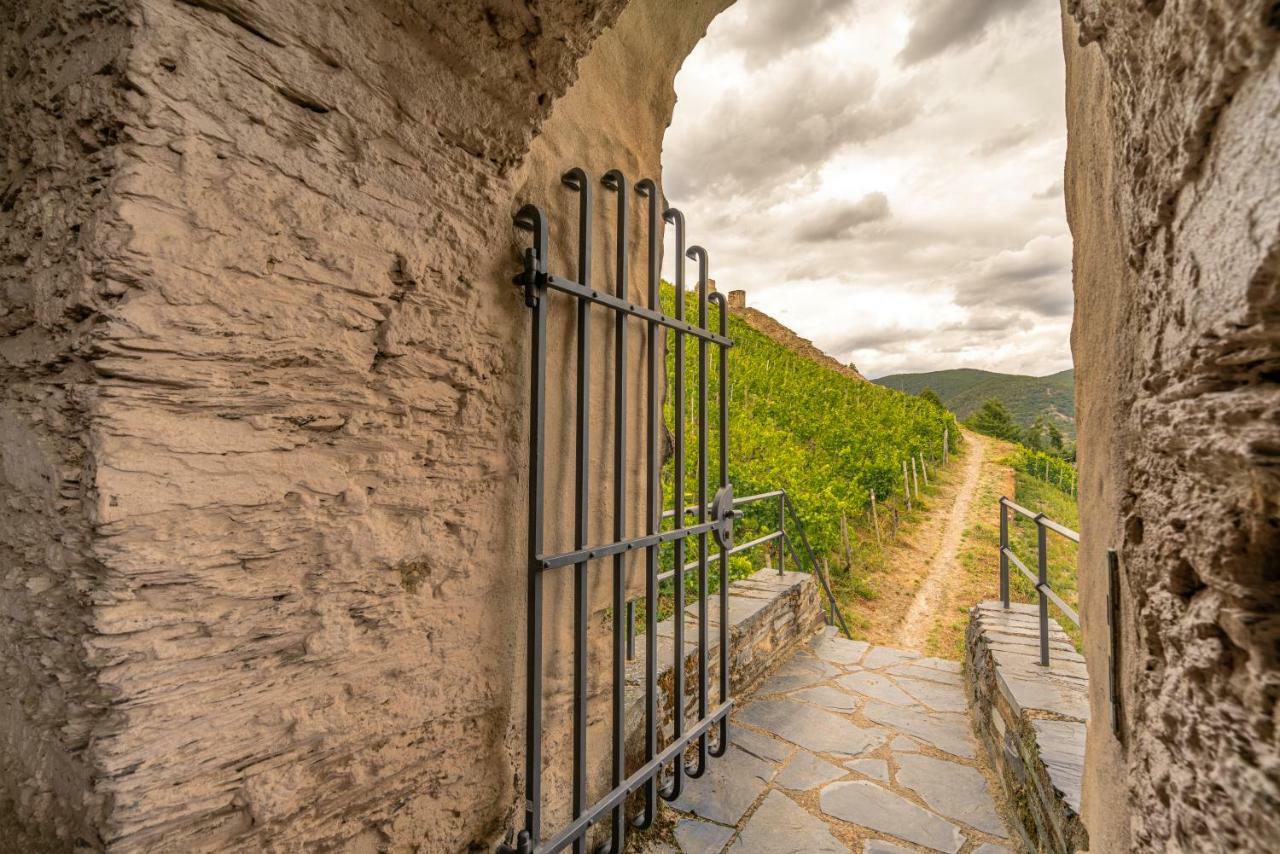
(713,518)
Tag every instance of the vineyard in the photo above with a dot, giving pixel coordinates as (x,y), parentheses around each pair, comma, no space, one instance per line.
(1049,468)
(826,438)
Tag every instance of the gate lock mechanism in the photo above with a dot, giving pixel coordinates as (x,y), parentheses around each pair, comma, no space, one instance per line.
(723,513)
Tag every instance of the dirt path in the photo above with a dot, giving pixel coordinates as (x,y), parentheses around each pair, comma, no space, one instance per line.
(924,584)
(931,596)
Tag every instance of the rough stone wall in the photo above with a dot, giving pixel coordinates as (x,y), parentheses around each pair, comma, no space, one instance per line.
(62,94)
(1031,720)
(262,437)
(1173,194)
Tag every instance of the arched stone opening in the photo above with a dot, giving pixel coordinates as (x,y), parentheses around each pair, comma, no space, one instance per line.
(264,387)
(1149,157)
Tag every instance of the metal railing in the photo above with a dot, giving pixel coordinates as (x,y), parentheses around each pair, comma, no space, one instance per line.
(1040,578)
(786,509)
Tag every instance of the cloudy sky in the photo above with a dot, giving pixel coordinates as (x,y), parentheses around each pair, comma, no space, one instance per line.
(884,177)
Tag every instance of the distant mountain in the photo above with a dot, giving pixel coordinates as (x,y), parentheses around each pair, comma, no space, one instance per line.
(963,390)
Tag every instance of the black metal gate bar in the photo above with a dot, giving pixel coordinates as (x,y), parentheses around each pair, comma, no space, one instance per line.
(676,785)
(724,494)
(577,180)
(653,500)
(697,253)
(530,218)
(614,180)
(716,520)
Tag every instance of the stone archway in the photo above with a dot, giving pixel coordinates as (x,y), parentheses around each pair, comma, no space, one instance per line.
(1172,341)
(262,425)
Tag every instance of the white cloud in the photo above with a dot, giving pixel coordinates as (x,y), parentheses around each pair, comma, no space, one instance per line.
(905,215)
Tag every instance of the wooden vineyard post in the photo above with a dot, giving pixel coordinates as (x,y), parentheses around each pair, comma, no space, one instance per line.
(844,536)
(924,470)
(915,478)
(895,524)
(906,489)
(946,443)
(875,520)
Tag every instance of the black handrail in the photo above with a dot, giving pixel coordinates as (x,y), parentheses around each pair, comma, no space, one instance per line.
(813,567)
(834,616)
(1040,578)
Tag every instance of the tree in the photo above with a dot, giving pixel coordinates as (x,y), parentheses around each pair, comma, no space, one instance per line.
(931,396)
(994,420)
(1055,438)
(1033,436)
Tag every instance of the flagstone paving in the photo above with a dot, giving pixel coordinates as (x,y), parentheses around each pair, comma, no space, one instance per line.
(846,748)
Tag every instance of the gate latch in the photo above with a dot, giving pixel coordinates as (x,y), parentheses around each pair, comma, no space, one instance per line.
(530,278)
(723,514)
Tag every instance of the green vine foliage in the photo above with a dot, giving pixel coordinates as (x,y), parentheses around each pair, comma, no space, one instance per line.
(826,438)
(1047,467)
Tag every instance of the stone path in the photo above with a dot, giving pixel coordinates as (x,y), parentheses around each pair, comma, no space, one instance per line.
(846,748)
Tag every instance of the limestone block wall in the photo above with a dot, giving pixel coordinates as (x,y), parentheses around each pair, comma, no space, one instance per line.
(1173,196)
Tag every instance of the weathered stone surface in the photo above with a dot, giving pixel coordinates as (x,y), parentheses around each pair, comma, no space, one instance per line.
(806,771)
(929,674)
(257,298)
(877,686)
(953,790)
(1171,180)
(937,696)
(945,731)
(1026,685)
(879,846)
(701,837)
(799,672)
(940,664)
(781,826)
(763,746)
(840,650)
(811,728)
(730,785)
(883,656)
(903,744)
(991,848)
(1060,745)
(827,697)
(1020,748)
(865,803)
(876,768)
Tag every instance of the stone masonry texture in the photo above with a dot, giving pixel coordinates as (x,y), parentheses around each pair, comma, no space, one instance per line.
(1173,197)
(263,424)
(1030,721)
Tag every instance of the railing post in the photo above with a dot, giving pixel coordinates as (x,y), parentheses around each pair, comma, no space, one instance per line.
(1004,554)
(782,526)
(1042,560)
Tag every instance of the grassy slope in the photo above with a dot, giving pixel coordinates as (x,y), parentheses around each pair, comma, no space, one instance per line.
(964,390)
(1043,497)
(827,438)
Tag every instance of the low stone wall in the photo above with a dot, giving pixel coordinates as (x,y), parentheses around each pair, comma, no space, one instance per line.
(1031,720)
(770,614)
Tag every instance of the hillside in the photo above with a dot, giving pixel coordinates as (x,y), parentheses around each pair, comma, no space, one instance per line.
(964,390)
(812,427)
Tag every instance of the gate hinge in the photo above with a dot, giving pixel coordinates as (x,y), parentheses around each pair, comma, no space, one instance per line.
(722,512)
(530,278)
